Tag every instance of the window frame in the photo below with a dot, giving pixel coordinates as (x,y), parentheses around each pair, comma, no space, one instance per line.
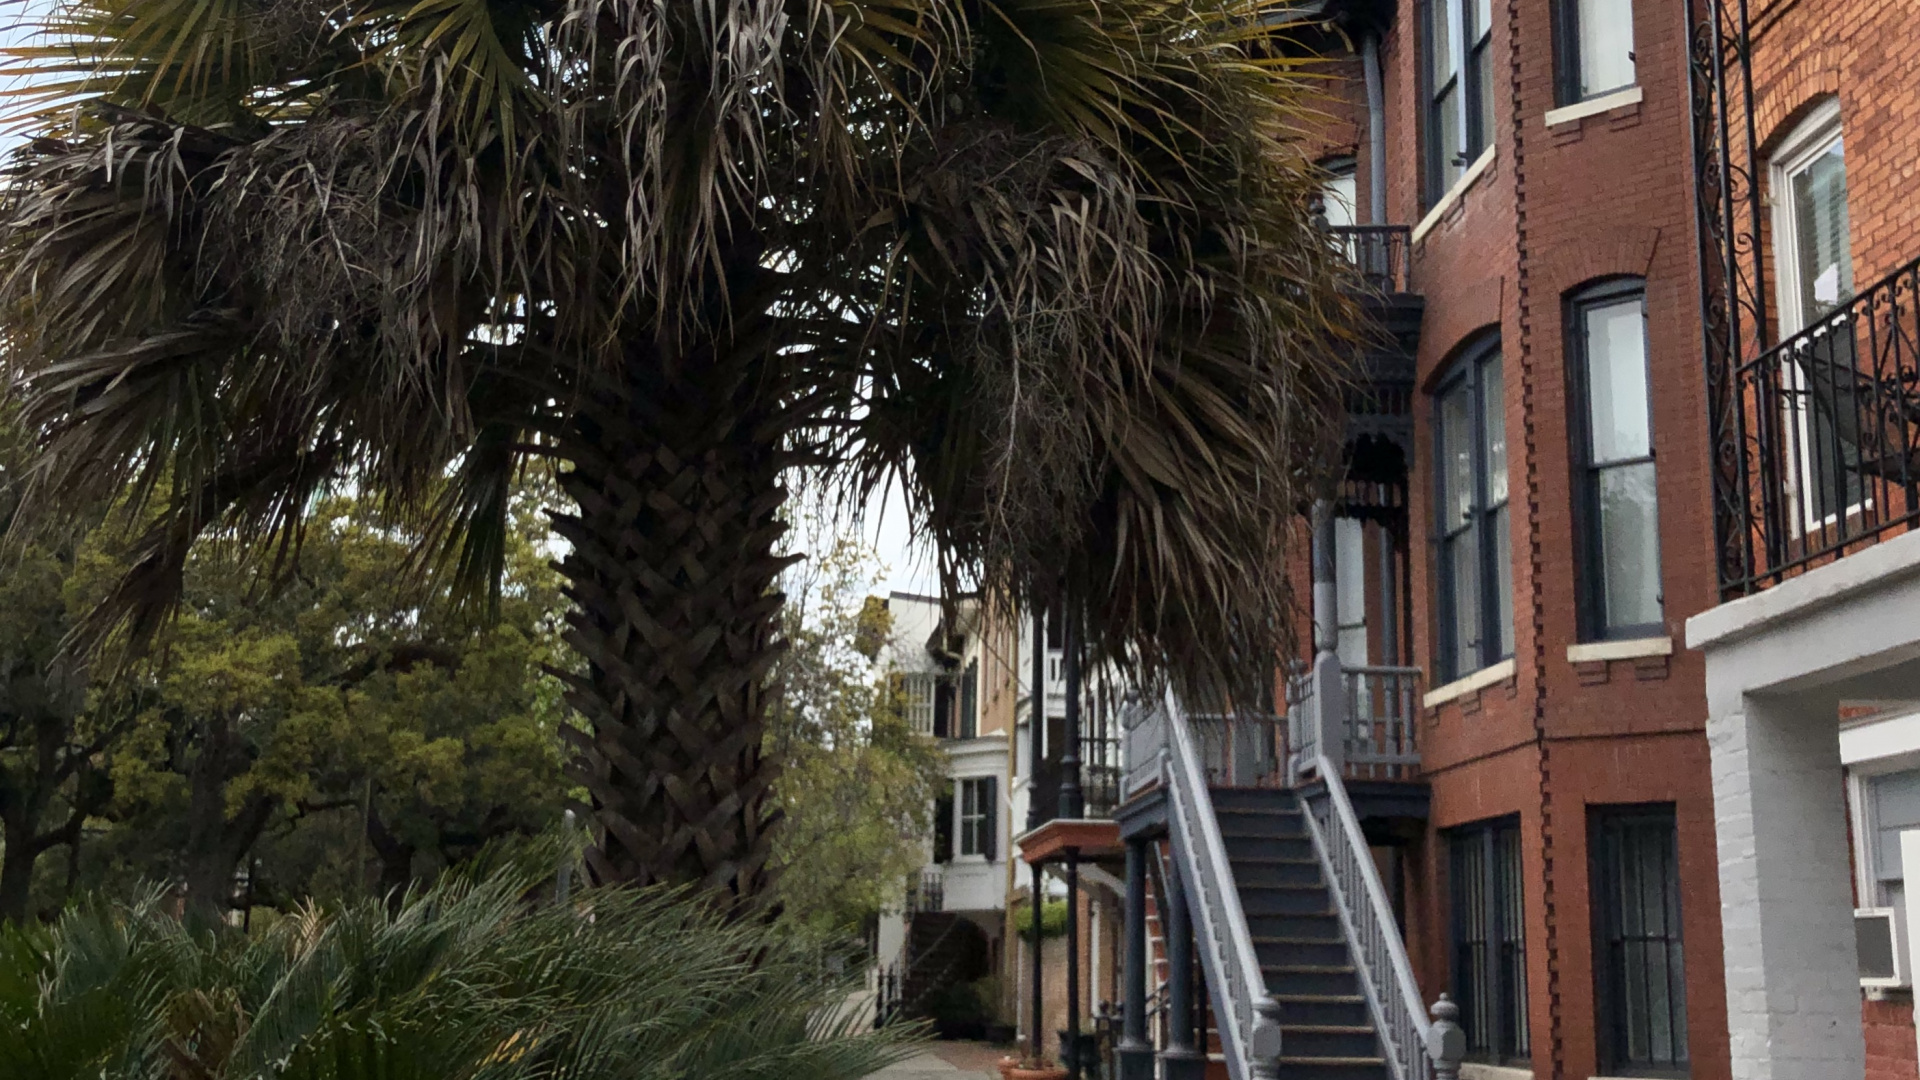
(1506,1046)
(1602,820)
(975,817)
(1566,47)
(1468,59)
(1589,547)
(1450,660)
(1820,504)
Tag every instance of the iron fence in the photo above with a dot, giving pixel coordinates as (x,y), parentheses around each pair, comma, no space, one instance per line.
(1828,454)
(927,893)
(1378,252)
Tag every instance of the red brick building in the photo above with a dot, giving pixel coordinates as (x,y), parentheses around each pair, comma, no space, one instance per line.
(1557,531)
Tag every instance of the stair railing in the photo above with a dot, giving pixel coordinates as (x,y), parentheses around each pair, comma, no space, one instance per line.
(1244,1015)
(1360,901)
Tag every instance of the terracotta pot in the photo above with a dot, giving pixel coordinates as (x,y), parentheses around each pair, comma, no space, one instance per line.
(1047,1072)
(1006,1065)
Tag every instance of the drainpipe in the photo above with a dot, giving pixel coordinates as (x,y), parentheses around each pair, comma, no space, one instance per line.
(1376,130)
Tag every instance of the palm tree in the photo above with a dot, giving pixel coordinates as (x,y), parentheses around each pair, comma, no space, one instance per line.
(466,981)
(1048,264)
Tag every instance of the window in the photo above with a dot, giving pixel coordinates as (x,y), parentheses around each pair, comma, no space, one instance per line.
(1338,192)
(970,701)
(1618,509)
(1639,965)
(1814,254)
(1350,589)
(1596,48)
(1887,805)
(1473,554)
(977,816)
(1459,84)
(1489,940)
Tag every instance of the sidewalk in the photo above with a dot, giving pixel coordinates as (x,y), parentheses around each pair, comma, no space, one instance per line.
(946,1061)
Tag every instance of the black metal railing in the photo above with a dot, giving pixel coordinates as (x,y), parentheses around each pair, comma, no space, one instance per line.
(1829,438)
(1378,252)
(927,893)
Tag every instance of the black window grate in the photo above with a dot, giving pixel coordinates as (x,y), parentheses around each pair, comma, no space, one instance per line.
(1489,941)
(1642,993)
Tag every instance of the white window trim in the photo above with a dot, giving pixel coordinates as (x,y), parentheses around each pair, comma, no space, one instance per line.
(960,818)
(1806,142)
(1607,102)
(1872,749)
(1454,194)
(1591,651)
(1479,680)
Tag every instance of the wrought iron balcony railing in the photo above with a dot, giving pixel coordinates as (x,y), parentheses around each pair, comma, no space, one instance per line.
(927,893)
(1378,252)
(1824,453)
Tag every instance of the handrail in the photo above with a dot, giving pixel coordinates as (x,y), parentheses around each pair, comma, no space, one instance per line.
(1366,917)
(1226,945)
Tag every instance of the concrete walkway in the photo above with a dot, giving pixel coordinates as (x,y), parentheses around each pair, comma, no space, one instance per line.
(946,1061)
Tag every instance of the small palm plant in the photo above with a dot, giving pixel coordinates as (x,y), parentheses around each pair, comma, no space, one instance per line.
(466,980)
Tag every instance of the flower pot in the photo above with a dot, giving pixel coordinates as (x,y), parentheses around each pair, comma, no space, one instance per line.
(1006,1065)
(1045,1072)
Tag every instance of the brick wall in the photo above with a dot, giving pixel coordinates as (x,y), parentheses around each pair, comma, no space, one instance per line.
(1604,196)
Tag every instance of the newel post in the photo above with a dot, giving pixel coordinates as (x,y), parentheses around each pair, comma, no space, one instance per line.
(1446,1040)
(1264,1046)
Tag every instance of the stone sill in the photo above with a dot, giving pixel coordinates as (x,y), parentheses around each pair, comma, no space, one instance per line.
(1453,196)
(1473,1070)
(1479,680)
(1567,114)
(1592,651)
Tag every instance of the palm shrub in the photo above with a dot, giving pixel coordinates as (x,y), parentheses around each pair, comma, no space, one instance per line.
(465,980)
(1049,264)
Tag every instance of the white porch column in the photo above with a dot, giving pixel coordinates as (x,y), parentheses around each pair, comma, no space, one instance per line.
(1786,910)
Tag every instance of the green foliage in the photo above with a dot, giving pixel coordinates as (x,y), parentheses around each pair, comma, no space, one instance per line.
(465,980)
(1053,919)
(856,782)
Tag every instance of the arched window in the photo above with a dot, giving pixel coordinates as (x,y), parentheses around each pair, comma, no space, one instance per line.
(1616,506)
(1473,553)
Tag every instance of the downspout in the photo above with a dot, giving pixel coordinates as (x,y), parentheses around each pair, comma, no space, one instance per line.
(1376,130)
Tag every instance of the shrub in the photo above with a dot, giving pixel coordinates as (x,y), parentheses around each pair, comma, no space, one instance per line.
(1053,919)
(466,980)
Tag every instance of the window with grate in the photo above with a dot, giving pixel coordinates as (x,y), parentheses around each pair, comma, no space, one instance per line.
(1640,969)
(1489,941)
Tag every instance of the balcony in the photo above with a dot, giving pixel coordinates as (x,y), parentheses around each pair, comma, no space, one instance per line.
(1380,402)
(1822,455)
(1363,718)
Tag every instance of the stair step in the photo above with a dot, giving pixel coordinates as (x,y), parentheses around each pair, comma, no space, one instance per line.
(1277,872)
(1322,926)
(1258,900)
(1268,847)
(1252,821)
(1329,1041)
(1252,798)
(1323,1009)
(1293,950)
(1311,979)
(1333,1068)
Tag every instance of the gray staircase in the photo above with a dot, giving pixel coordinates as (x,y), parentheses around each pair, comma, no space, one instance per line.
(1327,1030)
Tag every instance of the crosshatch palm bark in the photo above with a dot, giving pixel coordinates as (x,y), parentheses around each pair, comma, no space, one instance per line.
(1049,264)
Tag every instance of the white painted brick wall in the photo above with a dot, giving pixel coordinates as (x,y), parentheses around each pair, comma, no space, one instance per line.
(1793,1001)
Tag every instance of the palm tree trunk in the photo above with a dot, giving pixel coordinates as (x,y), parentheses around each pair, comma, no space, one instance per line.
(676,476)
